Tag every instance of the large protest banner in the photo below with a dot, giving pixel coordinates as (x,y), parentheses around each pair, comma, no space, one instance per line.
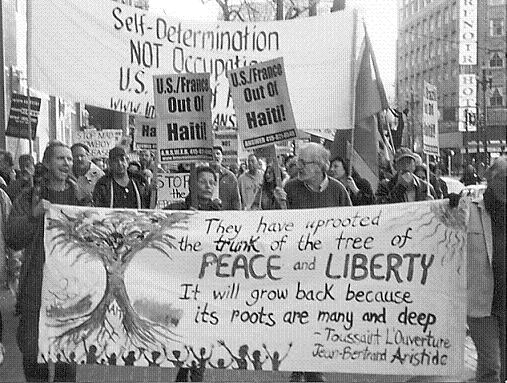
(98,141)
(377,289)
(119,48)
(183,114)
(262,104)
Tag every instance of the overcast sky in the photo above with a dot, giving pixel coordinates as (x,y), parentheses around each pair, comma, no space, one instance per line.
(379,16)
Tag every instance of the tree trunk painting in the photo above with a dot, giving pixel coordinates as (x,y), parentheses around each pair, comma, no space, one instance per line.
(114,240)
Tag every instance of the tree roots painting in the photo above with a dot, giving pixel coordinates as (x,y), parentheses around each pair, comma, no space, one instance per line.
(114,239)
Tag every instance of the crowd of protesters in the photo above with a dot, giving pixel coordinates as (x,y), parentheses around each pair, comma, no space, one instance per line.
(312,179)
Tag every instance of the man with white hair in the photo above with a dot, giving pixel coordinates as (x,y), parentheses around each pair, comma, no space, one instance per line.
(313,188)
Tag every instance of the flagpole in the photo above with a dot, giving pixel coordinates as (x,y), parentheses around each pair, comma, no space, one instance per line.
(28,69)
(353,81)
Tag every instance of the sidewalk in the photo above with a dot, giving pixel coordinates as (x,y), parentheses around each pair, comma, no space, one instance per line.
(12,369)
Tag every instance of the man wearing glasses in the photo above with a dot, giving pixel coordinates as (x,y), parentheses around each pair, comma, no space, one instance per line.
(313,188)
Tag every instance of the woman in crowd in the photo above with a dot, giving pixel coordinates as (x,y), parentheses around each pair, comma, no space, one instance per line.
(265,199)
(359,189)
(206,183)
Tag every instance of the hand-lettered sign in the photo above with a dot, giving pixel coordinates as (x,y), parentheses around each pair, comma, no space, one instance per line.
(17,125)
(99,141)
(378,289)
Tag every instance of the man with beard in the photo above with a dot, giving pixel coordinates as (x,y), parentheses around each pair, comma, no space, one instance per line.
(84,171)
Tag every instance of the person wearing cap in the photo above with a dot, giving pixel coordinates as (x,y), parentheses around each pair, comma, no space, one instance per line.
(119,188)
(228,190)
(405,186)
(84,170)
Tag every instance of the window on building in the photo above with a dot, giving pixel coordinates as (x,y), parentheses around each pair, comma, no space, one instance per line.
(419,31)
(454,11)
(446,44)
(446,15)
(496,98)
(496,2)
(407,37)
(425,27)
(414,6)
(438,20)
(439,48)
(412,34)
(495,60)
(431,51)
(445,74)
(432,23)
(421,4)
(424,54)
(496,27)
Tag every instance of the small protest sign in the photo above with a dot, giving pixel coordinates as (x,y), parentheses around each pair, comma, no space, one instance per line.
(261,101)
(145,133)
(171,187)
(228,140)
(430,120)
(17,125)
(99,141)
(183,110)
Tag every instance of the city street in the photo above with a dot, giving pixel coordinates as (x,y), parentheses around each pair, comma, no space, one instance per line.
(12,369)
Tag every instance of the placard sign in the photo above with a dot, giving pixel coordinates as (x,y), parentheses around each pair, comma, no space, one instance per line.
(262,104)
(430,120)
(172,187)
(145,133)
(183,110)
(378,289)
(229,141)
(17,125)
(99,141)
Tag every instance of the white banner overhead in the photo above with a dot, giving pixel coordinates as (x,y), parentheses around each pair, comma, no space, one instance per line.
(105,54)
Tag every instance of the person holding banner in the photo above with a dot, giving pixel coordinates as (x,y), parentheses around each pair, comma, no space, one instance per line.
(313,189)
(228,190)
(404,186)
(25,230)
(119,188)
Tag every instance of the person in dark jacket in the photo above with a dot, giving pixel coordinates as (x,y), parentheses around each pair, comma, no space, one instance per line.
(405,186)
(119,188)
(24,179)
(495,202)
(470,176)
(359,189)
(25,230)
(228,189)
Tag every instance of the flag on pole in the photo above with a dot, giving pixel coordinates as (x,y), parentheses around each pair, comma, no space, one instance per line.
(370,100)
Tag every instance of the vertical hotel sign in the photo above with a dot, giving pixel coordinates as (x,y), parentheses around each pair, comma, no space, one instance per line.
(468,32)
(467,103)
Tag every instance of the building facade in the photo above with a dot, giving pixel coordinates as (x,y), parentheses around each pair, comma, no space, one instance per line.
(428,50)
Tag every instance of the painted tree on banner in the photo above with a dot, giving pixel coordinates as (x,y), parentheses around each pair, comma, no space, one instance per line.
(114,240)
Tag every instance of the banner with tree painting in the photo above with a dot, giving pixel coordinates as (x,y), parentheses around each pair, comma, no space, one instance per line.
(377,289)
